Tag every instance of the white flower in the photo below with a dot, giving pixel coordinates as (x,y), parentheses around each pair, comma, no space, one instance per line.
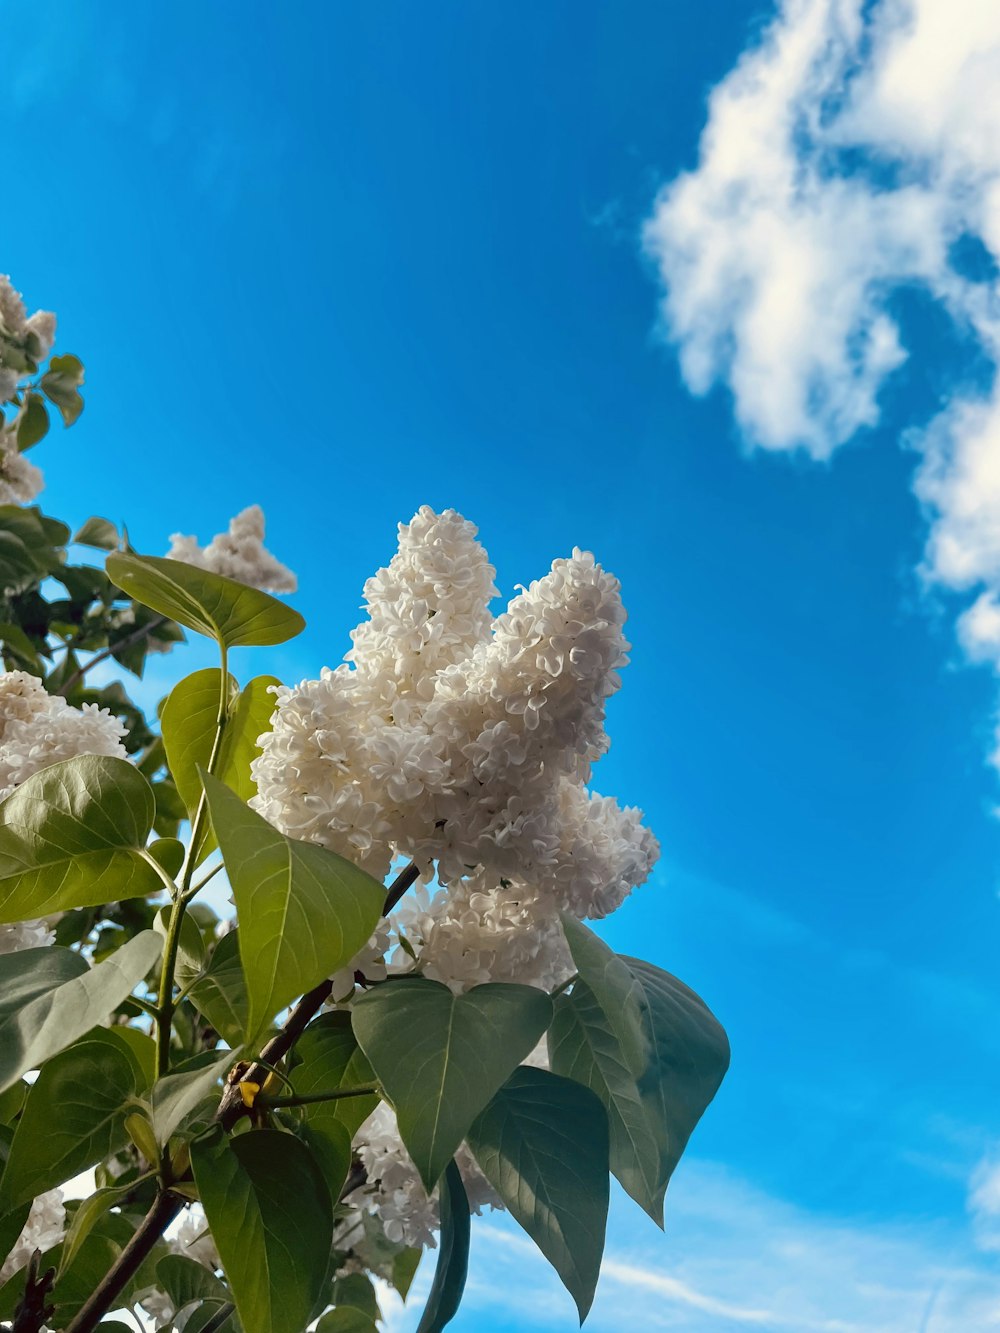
(238,554)
(395,1191)
(41,334)
(20,935)
(13,315)
(44,1228)
(20,480)
(465,744)
(192,1238)
(38,729)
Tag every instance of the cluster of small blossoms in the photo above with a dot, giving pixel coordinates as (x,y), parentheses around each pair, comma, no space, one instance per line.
(44,1228)
(239,554)
(464,744)
(24,343)
(38,729)
(396,1196)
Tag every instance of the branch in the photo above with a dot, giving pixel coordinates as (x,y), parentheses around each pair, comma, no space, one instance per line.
(165,1208)
(308,1098)
(136,636)
(34,1307)
(232,1105)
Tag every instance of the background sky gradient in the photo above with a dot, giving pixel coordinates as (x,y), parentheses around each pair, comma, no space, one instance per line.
(345,260)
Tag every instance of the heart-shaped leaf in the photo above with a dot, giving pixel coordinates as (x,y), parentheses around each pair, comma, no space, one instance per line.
(649,1047)
(69,1000)
(61,386)
(73,835)
(442,1057)
(542,1143)
(232,613)
(272,1222)
(453,1254)
(304,912)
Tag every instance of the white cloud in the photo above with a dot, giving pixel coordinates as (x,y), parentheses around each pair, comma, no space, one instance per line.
(736,1259)
(853,153)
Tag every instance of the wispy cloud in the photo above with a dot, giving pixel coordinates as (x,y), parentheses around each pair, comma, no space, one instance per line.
(853,156)
(736,1259)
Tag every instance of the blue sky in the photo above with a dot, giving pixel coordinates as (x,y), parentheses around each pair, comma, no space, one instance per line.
(346,260)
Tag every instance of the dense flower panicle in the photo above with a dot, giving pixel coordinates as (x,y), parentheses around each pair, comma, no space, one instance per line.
(428,608)
(468,750)
(464,744)
(38,729)
(44,1228)
(239,554)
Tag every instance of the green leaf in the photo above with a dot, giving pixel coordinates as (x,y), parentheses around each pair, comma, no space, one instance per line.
(73,835)
(43,1014)
(453,1254)
(61,386)
(168,853)
(347,1319)
(90,1084)
(190,945)
(329,1058)
(176,1095)
(442,1057)
(185,1281)
(17,643)
(356,1290)
(649,1048)
(220,994)
(188,722)
(272,1222)
(304,912)
(32,422)
(26,553)
(404,1269)
(143,1051)
(231,612)
(542,1143)
(330,1144)
(89,1213)
(99,533)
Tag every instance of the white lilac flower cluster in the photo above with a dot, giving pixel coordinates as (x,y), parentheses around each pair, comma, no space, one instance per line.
(44,1228)
(24,342)
(239,554)
(38,729)
(464,744)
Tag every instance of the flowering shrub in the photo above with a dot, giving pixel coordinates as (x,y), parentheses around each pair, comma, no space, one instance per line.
(284,1107)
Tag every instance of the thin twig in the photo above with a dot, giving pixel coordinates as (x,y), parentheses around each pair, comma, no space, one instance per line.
(136,636)
(308,1098)
(165,1208)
